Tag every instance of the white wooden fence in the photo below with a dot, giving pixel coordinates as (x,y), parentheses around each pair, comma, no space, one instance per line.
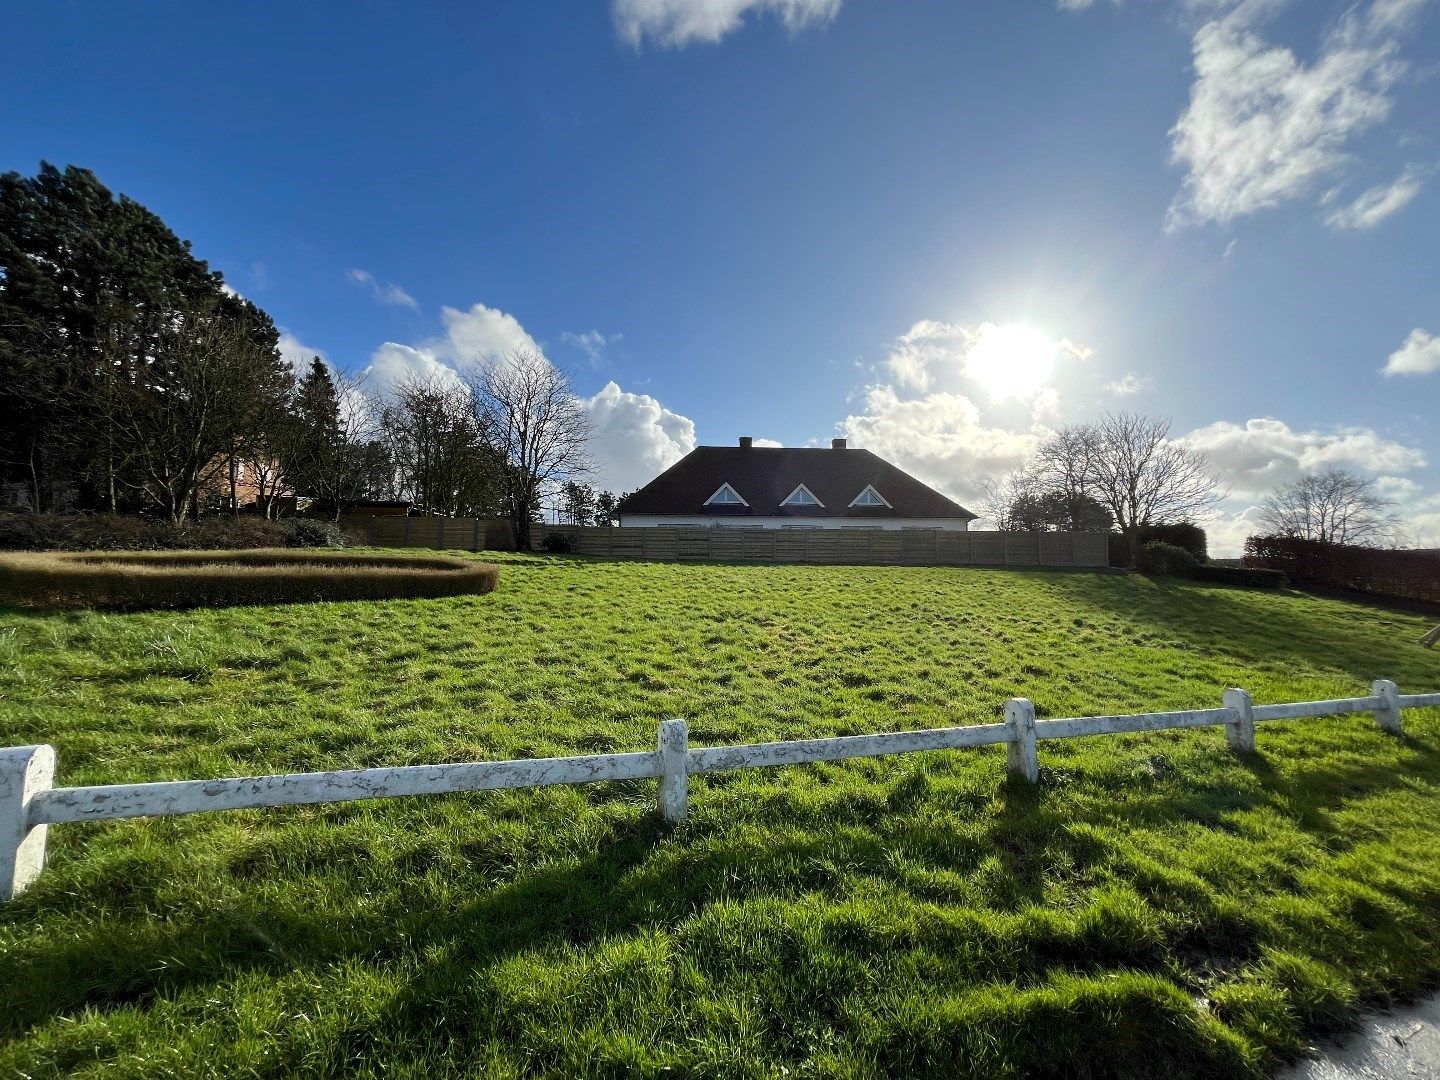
(30,803)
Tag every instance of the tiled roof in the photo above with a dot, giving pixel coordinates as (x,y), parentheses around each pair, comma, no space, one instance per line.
(763,476)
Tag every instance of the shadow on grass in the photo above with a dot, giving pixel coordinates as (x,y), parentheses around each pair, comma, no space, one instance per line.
(620,888)
(1230,621)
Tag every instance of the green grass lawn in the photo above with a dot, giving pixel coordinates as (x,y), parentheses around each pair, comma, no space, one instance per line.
(1154,907)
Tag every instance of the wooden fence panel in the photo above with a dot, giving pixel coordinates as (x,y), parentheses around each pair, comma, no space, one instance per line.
(856,546)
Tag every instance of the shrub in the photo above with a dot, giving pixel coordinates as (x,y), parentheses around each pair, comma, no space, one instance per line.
(1167,559)
(557,543)
(1182,534)
(127,532)
(308,532)
(1250,576)
(183,579)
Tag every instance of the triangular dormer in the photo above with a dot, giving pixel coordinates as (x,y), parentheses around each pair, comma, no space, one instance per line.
(725,496)
(801,496)
(870,498)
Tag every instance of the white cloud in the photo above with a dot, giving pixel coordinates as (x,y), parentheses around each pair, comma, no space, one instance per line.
(1263,453)
(471,336)
(386,294)
(635,437)
(1132,382)
(592,343)
(940,438)
(1263,128)
(773,443)
(297,353)
(678,23)
(393,362)
(1006,361)
(1419,355)
(481,333)
(1376,204)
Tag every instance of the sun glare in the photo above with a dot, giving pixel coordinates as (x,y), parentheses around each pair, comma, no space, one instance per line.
(1010,361)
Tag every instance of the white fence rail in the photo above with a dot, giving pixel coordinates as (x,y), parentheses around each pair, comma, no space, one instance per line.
(30,803)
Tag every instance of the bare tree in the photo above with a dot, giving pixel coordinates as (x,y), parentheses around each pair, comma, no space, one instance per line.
(1000,497)
(442,461)
(1129,465)
(1335,507)
(206,383)
(536,427)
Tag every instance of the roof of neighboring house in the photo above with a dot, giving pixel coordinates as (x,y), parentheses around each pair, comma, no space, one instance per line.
(765,476)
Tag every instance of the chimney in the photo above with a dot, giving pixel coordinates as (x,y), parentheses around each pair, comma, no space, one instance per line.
(746,442)
(837,444)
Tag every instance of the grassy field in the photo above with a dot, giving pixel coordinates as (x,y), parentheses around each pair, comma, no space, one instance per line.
(1154,907)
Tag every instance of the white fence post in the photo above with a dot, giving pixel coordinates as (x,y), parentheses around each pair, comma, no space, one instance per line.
(1388,715)
(1024,760)
(673,742)
(24,771)
(1240,732)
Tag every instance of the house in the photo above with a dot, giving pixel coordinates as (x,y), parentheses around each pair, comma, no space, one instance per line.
(762,487)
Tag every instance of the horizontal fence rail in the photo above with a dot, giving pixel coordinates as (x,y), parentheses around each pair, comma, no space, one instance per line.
(30,803)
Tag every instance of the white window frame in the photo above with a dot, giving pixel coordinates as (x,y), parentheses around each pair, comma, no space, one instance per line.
(871,489)
(799,488)
(711,501)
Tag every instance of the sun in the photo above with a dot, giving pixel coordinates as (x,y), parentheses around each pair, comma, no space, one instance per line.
(1010,361)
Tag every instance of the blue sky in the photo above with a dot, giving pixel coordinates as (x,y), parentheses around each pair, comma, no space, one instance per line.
(940,229)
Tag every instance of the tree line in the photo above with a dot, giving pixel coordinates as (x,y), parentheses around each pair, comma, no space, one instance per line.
(133,380)
(1124,472)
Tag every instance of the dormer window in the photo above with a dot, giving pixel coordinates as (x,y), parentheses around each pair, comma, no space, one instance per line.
(801,496)
(871,498)
(726,496)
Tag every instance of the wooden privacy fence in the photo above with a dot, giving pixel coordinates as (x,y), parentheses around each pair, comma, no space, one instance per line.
(915,547)
(30,803)
(467,534)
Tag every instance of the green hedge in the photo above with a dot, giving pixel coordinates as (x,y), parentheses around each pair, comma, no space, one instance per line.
(1251,576)
(186,579)
(127,532)
(1167,560)
(1182,534)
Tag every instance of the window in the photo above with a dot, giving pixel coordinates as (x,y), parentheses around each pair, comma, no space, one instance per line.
(726,496)
(870,497)
(801,496)
(803,527)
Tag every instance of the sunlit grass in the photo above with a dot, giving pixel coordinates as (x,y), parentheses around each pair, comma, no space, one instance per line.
(1155,907)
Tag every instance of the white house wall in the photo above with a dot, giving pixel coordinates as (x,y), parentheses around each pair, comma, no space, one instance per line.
(644,521)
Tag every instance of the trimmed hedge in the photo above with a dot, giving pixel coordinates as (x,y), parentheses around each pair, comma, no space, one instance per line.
(1407,575)
(1158,558)
(1250,576)
(125,532)
(185,579)
(1183,534)
(1167,560)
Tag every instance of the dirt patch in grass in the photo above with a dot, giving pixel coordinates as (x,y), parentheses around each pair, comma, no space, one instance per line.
(188,579)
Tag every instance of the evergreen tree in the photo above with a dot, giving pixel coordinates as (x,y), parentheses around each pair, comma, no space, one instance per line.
(89,286)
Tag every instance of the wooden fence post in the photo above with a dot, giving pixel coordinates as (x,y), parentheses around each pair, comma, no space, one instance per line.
(673,744)
(1024,760)
(1388,715)
(1240,732)
(24,772)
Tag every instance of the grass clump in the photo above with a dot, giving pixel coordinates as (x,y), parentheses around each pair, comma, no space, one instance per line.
(1156,906)
(184,579)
